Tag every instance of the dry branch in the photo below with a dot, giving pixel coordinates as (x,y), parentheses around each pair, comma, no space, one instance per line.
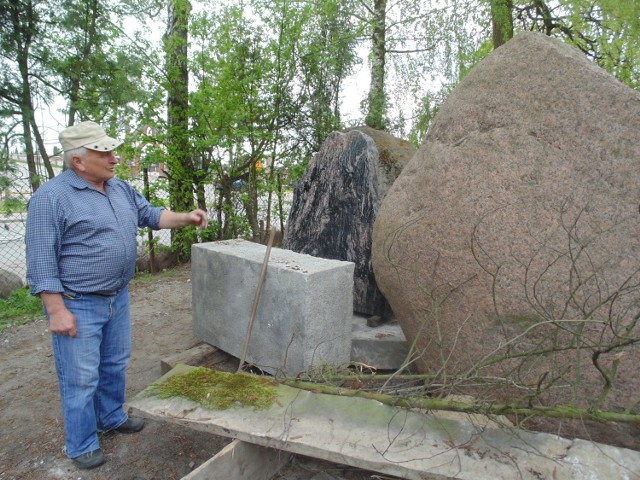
(482,408)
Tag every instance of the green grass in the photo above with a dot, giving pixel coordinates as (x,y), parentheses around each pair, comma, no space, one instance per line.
(21,307)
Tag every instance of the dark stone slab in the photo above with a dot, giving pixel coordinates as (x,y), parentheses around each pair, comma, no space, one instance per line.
(336,202)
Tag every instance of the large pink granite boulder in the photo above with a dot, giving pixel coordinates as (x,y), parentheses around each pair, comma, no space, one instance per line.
(515,227)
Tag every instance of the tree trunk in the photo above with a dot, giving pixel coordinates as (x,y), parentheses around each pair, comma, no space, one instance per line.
(271,181)
(92,13)
(23,20)
(34,179)
(42,149)
(501,21)
(152,249)
(542,9)
(251,202)
(225,215)
(178,147)
(377,101)
(280,202)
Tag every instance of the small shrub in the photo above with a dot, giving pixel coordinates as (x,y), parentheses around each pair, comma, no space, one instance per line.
(13,205)
(21,307)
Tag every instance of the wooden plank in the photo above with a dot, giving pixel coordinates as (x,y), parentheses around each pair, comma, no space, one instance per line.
(240,461)
(202,355)
(366,434)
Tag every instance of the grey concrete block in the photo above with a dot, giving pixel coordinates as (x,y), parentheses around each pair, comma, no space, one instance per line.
(305,311)
(383,347)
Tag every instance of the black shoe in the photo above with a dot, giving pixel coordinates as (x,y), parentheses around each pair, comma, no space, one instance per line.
(89,460)
(132,425)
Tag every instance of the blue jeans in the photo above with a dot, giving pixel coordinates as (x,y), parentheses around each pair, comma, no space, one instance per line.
(91,368)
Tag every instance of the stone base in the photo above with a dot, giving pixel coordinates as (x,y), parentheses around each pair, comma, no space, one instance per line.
(383,347)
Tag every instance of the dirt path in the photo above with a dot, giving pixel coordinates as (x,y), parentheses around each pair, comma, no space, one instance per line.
(31,436)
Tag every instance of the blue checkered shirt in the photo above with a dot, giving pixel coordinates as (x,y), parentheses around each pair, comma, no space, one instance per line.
(81,239)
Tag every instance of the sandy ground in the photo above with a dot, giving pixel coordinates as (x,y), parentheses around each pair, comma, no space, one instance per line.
(31,433)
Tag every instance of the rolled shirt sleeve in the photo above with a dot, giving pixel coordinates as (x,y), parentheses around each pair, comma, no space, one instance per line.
(43,234)
(148,215)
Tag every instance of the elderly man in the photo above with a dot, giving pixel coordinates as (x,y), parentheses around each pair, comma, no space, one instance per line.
(81,255)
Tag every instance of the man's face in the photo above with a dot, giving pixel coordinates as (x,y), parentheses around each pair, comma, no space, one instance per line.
(96,167)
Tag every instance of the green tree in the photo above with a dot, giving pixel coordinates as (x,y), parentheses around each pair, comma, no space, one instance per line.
(70,49)
(7,166)
(313,50)
(377,98)
(267,94)
(21,32)
(218,106)
(179,151)
(501,21)
(324,52)
(99,68)
(605,30)
(411,43)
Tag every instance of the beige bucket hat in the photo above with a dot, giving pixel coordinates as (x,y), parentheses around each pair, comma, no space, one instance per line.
(88,135)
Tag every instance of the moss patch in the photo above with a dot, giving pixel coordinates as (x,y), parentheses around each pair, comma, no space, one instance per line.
(218,390)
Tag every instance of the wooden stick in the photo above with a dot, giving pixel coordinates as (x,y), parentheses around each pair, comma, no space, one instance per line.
(256,299)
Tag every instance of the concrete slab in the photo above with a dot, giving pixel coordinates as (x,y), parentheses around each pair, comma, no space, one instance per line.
(239,461)
(305,310)
(367,434)
(384,347)
(202,355)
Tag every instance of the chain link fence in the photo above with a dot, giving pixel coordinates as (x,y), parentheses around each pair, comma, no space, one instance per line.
(13,217)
